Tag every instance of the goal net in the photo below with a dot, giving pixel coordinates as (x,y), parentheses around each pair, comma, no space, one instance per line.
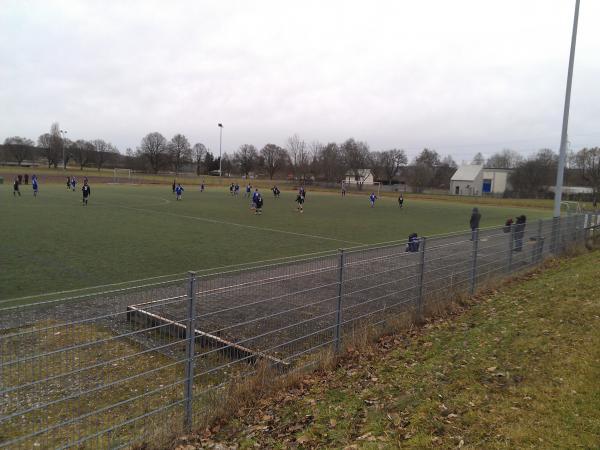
(362,188)
(122,176)
(571,207)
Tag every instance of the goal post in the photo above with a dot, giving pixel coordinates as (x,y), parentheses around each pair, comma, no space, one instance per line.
(121,176)
(374,186)
(571,206)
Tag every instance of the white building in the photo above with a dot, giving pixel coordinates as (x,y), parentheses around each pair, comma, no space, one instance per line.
(495,181)
(364,176)
(467,180)
(473,179)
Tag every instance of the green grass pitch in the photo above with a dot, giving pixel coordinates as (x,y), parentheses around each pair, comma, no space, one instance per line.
(53,243)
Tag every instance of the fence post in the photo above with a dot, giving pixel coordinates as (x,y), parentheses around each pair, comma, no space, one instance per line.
(338,314)
(511,240)
(540,244)
(475,236)
(190,335)
(559,240)
(419,305)
(554,236)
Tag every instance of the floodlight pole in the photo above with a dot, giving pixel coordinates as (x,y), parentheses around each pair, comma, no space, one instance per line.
(220,142)
(63,132)
(563,138)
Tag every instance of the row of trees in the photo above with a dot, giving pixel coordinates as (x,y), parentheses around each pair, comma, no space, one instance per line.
(302,160)
(535,174)
(56,149)
(324,162)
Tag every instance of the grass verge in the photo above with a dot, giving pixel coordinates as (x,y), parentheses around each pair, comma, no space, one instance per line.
(517,368)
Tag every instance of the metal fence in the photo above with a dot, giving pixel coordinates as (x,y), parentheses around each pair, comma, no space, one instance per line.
(131,365)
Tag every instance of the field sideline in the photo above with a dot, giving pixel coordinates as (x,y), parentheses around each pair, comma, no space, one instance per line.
(52,243)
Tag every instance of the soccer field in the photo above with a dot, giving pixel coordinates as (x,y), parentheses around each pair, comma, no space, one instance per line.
(52,243)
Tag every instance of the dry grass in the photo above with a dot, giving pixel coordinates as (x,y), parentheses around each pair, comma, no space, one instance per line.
(508,370)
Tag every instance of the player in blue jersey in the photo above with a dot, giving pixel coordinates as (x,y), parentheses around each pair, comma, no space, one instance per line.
(73,183)
(248,190)
(178,191)
(86,192)
(372,199)
(258,203)
(255,198)
(34,185)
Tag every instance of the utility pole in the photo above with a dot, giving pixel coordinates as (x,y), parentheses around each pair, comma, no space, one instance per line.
(64,133)
(565,125)
(220,143)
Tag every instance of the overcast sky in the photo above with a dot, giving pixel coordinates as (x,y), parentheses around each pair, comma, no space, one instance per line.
(458,76)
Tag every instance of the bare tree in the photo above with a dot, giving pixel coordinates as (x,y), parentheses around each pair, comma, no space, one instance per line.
(50,145)
(273,159)
(390,161)
(19,148)
(588,161)
(506,159)
(246,158)
(198,153)
(533,176)
(314,148)
(104,152)
(154,149)
(83,152)
(478,159)
(298,154)
(444,172)
(331,162)
(356,156)
(428,157)
(180,151)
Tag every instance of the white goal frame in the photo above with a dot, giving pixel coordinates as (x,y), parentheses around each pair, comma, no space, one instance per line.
(353,187)
(571,206)
(126,174)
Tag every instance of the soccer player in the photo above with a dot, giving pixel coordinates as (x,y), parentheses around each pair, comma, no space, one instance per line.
(86,192)
(231,186)
(236,189)
(16,188)
(202,187)
(343,191)
(254,199)
(372,199)
(401,201)
(174,186)
(178,191)
(259,203)
(73,183)
(300,201)
(34,185)
(68,182)
(248,190)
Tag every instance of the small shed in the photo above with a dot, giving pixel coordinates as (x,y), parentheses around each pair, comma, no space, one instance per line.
(467,180)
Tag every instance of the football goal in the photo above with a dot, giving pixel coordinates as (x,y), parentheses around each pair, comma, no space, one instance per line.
(364,188)
(122,176)
(571,207)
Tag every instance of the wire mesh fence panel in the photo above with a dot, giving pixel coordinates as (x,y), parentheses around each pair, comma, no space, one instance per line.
(110,369)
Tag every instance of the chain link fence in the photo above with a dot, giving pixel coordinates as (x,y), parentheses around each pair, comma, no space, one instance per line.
(132,365)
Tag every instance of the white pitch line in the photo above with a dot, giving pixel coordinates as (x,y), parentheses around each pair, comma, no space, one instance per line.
(252,227)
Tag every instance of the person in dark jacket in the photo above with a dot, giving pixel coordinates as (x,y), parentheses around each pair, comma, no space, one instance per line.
(474,222)
(16,188)
(86,191)
(519,232)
